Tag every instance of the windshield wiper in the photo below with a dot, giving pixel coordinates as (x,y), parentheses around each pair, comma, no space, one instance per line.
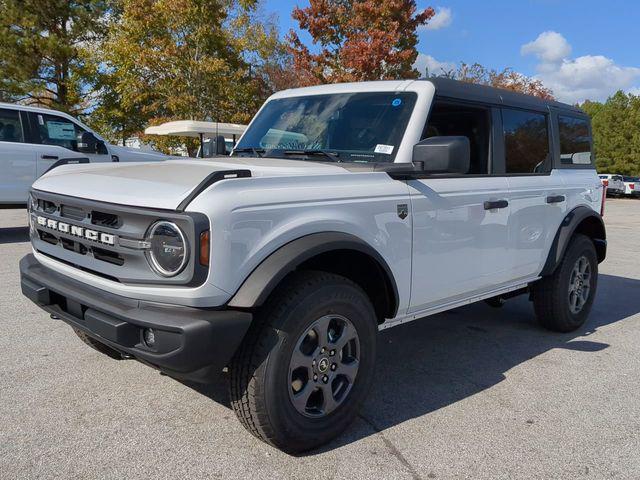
(333,156)
(256,151)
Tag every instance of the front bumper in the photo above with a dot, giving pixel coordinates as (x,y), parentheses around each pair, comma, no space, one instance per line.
(190,343)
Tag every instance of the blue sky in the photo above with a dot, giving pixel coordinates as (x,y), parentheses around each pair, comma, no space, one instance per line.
(579,48)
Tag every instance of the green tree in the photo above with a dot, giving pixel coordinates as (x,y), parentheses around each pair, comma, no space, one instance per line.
(186,59)
(47,51)
(616,133)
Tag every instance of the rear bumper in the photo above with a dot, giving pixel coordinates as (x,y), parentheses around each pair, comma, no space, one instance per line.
(189,342)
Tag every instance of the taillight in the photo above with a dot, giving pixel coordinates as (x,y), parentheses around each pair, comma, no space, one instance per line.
(632,186)
(204,248)
(605,183)
(604,199)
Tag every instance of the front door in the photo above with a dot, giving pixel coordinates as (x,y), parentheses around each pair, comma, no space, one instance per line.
(460,242)
(56,138)
(460,237)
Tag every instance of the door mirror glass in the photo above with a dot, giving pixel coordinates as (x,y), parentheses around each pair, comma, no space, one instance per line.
(443,154)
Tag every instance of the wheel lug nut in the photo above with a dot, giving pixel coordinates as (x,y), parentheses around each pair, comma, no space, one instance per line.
(325,379)
(313,363)
(322,350)
(333,366)
(332,353)
(315,378)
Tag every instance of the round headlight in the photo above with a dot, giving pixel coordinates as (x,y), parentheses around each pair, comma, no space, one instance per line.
(168,253)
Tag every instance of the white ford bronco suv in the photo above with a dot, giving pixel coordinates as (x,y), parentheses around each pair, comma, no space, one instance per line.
(343,210)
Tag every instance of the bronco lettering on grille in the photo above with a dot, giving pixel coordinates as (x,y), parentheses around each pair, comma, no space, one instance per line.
(77,231)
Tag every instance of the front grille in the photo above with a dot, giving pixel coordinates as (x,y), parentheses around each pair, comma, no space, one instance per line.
(74,213)
(108,240)
(107,256)
(103,219)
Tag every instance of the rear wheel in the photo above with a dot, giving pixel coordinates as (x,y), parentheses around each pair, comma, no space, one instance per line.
(563,300)
(307,362)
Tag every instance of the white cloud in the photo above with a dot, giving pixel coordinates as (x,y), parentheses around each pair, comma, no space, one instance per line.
(549,47)
(442,19)
(593,77)
(426,63)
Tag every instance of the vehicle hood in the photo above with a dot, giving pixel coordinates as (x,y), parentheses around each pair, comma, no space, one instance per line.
(163,184)
(128,154)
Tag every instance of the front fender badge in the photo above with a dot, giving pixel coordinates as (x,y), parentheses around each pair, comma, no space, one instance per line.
(403,210)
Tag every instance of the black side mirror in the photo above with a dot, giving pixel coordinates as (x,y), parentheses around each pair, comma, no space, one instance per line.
(221,147)
(87,142)
(443,155)
(101,148)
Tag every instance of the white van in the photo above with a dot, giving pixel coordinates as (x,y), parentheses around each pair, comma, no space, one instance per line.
(33,140)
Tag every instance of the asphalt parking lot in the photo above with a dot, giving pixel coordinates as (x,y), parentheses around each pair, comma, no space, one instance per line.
(476,393)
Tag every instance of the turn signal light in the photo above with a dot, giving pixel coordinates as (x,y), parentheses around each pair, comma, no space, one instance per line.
(204,248)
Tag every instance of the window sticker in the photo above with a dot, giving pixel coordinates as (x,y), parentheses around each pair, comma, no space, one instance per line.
(61,131)
(386,149)
(396,102)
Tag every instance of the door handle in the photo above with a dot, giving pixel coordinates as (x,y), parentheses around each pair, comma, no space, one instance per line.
(49,157)
(555,199)
(491,205)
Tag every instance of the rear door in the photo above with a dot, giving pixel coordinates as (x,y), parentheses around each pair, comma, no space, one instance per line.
(537,197)
(17,159)
(460,235)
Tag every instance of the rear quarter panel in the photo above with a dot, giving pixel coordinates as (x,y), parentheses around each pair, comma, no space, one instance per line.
(583,187)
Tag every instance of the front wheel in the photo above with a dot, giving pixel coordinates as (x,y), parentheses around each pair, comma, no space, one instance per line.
(307,362)
(563,300)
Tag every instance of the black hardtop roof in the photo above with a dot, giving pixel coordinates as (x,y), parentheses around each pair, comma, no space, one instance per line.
(447,87)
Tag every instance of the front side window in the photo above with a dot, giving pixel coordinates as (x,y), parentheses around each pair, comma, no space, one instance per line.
(353,127)
(10,126)
(575,141)
(473,122)
(54,130)
(526,141)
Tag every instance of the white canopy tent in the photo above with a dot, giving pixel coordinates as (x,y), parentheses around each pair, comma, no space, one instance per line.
(198,129)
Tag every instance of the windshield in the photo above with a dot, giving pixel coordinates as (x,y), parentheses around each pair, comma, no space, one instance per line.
(349,127)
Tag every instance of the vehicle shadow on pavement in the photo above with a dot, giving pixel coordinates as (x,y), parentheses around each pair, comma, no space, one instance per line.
(14,235)
(428,364)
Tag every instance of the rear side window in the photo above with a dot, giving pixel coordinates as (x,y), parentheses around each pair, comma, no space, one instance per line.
(526,141)
(575,141)
(10,126)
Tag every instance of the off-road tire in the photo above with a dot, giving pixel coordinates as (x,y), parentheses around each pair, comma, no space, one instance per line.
(259,372)
(551,293)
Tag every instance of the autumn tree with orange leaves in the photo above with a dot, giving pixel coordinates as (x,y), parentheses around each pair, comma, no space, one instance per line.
(507,79)
(357,40)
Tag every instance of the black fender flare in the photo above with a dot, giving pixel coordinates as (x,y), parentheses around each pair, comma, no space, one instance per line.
(265,277)
(567,228)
